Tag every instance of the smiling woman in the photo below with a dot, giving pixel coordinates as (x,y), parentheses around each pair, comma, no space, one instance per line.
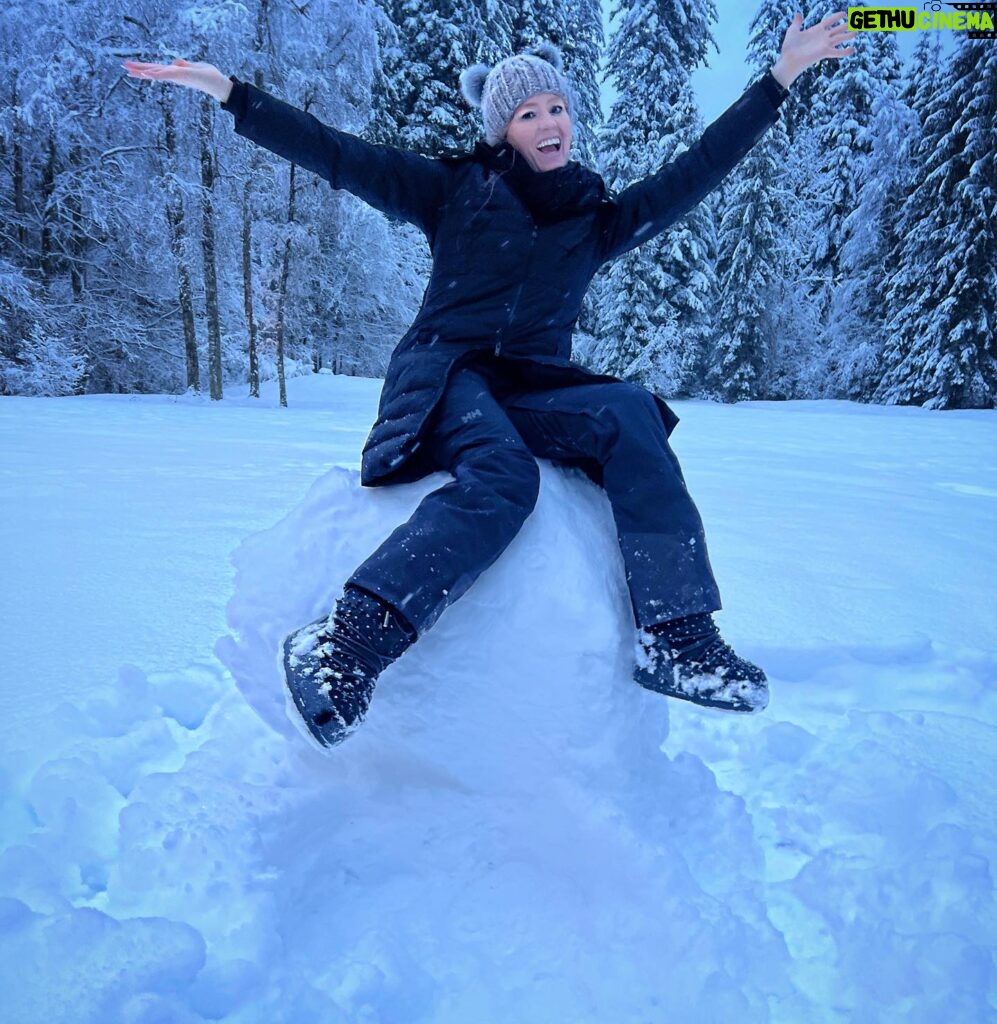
(517,231)
(540,129)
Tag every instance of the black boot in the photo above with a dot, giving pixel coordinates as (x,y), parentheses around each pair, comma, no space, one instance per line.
(330,666)
(688,659)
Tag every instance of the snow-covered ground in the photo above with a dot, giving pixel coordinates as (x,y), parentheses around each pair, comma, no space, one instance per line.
(518,833)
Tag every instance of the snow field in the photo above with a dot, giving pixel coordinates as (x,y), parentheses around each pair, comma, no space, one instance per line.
(517,832)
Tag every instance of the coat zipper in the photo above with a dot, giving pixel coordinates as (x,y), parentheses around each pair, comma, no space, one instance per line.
(519,291)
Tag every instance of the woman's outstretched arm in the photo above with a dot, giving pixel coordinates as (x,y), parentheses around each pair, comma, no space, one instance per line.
(647,207)
(396,182)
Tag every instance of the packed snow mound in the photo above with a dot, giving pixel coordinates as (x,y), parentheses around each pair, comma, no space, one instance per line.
(472,677)
(506,797)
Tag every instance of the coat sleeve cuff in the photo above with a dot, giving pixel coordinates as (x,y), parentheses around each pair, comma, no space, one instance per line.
(238,97)
(773,89)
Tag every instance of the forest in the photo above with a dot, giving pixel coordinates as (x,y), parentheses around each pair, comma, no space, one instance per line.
(145,248)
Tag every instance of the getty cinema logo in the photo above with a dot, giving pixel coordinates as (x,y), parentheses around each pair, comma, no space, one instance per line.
(976,20)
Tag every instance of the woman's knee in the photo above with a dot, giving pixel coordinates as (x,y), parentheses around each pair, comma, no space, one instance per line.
(626,418)
(630,402)
(508,479)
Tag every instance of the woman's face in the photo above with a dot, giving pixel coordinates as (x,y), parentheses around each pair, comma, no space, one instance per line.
(542,118)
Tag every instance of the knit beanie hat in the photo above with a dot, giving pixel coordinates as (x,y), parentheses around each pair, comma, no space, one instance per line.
(501,89)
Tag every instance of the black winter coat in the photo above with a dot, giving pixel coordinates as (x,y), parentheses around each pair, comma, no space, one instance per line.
(513,249)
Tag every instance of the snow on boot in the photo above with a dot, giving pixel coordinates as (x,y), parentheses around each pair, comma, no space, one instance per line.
(688,659)
(330,666)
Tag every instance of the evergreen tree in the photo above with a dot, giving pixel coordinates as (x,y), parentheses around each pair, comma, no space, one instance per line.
(842,114)
(653,119)
(855,333)
(767,31)
(532,22)
(418,104)
(747,269)
(919,81)
(389,87)
(911,271)
(795,349)
(829,125)
(755,218)
(941,352)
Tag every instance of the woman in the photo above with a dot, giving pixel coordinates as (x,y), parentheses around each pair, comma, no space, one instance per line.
(482,384)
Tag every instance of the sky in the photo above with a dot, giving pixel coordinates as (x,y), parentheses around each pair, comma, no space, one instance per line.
(718,85)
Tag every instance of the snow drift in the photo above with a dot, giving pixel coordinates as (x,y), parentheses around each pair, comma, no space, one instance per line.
(518,831)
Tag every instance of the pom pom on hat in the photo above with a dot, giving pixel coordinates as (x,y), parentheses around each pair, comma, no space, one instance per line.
(472,83)
(550,53)
(500,90)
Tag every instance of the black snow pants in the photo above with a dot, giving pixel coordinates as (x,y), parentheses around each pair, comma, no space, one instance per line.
(488,432)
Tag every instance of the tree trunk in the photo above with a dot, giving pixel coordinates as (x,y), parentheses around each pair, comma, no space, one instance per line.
(209,250)
(47,260)
(174,211)
(282,292)
(77,241)
(17,170)
(247,217)
(247,288)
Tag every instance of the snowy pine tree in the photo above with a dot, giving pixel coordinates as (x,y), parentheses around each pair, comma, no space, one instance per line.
(655,302)
(755,216)
(793,318)
(747,268)
(767,30)
(534,21)
(419,105)
(855,332)
(942,294)
(841,118)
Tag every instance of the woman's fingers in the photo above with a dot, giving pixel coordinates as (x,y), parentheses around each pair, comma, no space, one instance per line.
(805,47)
(137,65)
(183,72)
(138,69)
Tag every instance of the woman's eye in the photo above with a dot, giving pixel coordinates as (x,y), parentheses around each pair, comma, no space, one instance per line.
(529,113)
(556,109)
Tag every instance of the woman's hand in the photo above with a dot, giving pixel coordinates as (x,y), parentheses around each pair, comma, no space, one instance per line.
(802,48)
(193,75)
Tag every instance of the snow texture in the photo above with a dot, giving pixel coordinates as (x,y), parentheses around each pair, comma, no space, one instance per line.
(517,832)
